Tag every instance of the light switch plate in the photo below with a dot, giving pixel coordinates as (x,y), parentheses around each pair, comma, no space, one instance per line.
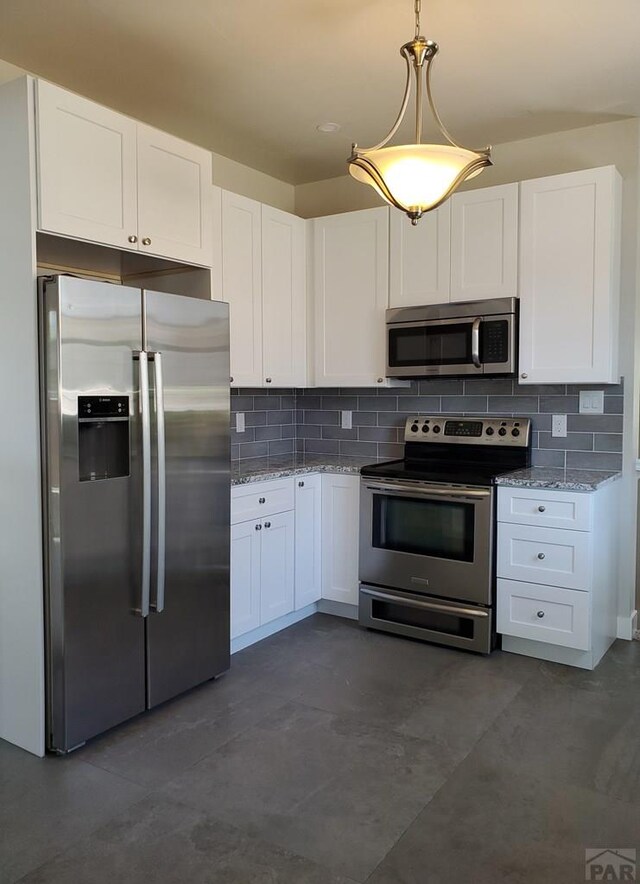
(559,425)
(591,401)
(240,422)
(347,420)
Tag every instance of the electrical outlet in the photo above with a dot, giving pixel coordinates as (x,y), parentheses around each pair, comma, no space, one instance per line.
(559,425)
(347,420)
(240,422)
(591,401)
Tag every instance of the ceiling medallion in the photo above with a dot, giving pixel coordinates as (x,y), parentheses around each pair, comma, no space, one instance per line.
(416,178)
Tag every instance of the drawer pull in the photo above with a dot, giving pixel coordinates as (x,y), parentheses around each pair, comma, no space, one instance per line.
(541,556)
(540,614)
(258,527)
(541,509)
(262,500)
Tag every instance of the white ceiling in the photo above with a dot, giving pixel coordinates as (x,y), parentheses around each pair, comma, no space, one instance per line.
(252,80)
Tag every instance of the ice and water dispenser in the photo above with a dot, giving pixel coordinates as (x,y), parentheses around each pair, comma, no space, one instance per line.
(103,437)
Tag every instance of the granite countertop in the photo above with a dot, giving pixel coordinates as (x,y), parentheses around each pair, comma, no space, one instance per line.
(559,479)
(259,469)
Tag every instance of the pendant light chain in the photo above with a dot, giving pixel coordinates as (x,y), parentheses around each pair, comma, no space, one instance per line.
(417,7)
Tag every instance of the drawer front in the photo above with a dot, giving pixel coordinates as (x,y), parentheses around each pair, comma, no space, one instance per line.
(548,509)
(544,614)
(258,499)
(544,555)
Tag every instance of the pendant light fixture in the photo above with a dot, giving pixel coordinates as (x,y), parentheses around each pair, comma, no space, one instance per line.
(416,178)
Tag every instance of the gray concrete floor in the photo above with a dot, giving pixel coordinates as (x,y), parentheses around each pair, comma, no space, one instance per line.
(329,754)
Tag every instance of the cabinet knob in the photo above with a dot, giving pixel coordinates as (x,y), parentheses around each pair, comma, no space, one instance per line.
(300,484)
(540,614)
(258,527)
(262,500)
(524,375)
(231,379)
(541,556)
(146,241)
(268,380)
(541,509)
(380,380)
(267,524)
(132,238)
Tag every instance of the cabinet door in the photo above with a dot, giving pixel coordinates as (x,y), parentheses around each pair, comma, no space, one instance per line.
(283,299)
(308,540)
(86,169)
(420,258)
(340,537)
(276,566)
(351,284)
(174,197)
(245,577)
(241,286)
(569,278)
(484,243)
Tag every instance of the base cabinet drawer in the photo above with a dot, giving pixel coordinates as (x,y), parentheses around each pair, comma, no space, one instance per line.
(545,509)
(544,555)
(545,614)
(258,499)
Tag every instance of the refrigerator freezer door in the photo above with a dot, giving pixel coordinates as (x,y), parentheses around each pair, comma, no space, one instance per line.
(188,641)
(92,479)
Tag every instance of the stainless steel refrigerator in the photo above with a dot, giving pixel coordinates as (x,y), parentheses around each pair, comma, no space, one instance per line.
(136,448)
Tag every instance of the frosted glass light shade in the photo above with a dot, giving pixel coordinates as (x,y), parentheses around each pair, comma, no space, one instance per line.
(416,177)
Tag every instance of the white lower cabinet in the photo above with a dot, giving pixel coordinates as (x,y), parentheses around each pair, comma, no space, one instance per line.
(276,566)
(308,540)
(245,578)
(340,537)
(557,586)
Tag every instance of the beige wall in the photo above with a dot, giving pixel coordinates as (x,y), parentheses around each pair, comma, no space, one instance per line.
(249,182)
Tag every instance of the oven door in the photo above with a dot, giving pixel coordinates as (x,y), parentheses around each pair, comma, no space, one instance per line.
(430,539)
(446,623)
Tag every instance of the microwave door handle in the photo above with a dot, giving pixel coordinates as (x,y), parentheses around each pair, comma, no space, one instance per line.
(475,342)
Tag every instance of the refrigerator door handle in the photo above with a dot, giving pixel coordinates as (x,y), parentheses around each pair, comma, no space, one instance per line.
(161,490)
(143,365)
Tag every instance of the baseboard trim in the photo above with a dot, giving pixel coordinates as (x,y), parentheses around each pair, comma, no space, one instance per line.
(256,635)
(627,626)
(338,609)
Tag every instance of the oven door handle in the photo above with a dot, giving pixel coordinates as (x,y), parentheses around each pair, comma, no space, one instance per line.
(430,606)
(470,494)
(475,342)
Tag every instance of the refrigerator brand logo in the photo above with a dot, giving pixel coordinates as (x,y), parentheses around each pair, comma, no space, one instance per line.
(610,864)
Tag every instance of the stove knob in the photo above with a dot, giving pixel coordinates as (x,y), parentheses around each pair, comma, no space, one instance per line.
(414,428)
(436,429)
(425,429)
(502,432)
(515,432)
(489,431)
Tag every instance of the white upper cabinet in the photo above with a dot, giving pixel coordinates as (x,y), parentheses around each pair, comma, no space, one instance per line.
(420,258)
(569,277)
(105,178)
(283,299)
(484,243)
(242,286)
(351,288)
(86,169)
(174,197)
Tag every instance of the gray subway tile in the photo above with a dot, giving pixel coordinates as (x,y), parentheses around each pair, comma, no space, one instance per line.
(541,422)
(255,418)
(267,403)
(254,449)
(267,434)
(570,442)
(377,403)
(325,418)
(364,418)
(412,389)
(593,460)
(339,403)
(607,442)
(391,419)
(235,452)
(390,450)
(282,446)
(339,433)
(361,449)
(251,391)
(356,391)
(608,389)
(488,387)
(419,404)
(309,431)
(248,435)
(279,417)
(513,404)
(322,446)
(460,404)
(613,404)
(289,431)
(595,423)
(539,389)
(309,403)
(541,457)
(559,404)
(241,403)
(441,387)
(378,434)
(288,402)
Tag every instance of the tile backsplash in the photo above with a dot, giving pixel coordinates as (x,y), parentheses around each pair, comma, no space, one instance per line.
(308,420)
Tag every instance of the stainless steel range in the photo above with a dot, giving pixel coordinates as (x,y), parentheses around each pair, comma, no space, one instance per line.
(427,529)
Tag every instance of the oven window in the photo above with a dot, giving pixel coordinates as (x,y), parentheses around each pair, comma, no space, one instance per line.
(440,529)
(430,345)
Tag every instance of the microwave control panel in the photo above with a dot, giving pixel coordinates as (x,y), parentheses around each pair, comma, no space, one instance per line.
(513,432)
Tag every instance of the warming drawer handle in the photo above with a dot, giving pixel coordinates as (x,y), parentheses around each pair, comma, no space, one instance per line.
(418,491)
(419,603)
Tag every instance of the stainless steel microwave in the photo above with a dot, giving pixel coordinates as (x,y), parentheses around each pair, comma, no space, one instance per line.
(463,338)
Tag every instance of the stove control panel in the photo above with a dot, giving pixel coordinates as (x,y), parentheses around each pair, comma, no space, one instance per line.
(512,432)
